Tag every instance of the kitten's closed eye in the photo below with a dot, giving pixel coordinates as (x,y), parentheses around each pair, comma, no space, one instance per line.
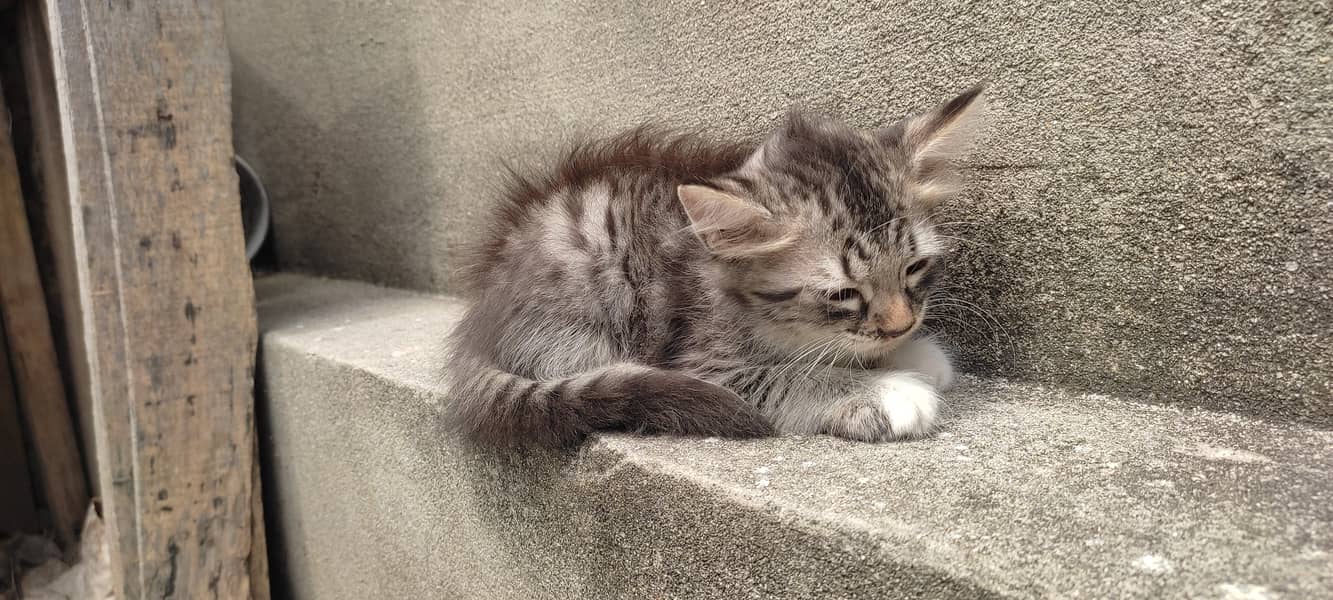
(917,266)
(844,294)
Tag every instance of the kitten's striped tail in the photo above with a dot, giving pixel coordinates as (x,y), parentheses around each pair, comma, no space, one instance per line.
(499,408)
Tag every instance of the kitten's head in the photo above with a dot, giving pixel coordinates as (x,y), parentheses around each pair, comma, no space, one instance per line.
(826,233)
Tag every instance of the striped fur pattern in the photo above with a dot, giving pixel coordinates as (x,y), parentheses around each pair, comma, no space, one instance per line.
(666,283)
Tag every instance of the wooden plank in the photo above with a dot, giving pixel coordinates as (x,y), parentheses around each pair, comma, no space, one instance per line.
(36,373)
(17,511)
(143,109)
(49,164)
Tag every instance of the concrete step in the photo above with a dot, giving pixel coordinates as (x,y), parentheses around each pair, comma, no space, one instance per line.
(1027,491)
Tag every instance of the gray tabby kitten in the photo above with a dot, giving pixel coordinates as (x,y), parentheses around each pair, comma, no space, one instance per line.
(670,284)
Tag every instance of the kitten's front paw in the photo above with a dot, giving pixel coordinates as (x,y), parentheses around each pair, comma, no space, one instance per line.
(895,406)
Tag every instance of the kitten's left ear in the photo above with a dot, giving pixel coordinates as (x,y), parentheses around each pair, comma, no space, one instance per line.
(935,140)
(730,226)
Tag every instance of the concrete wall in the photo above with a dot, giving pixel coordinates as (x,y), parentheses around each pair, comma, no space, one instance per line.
(1152,211)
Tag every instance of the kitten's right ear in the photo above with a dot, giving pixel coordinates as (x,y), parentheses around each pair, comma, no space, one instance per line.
(730,226)
(946,133)
(936,140)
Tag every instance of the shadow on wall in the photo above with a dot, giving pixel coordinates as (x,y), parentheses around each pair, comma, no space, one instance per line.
(315,193)
(982,327)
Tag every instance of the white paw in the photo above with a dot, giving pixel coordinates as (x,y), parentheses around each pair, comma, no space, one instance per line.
(925,356)
(894,405)
(909,403)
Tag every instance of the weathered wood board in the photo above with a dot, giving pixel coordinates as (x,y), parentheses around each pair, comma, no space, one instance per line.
(39,76)
(17,511)
(41,393)
(164,295)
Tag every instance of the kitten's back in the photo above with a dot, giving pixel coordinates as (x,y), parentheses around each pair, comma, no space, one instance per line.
(650,158)
(575,282)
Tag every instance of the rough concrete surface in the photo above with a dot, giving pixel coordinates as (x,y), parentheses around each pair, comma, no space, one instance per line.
(1151,210)
(1027,491)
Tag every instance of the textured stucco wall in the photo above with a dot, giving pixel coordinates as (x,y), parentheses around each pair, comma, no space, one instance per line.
(1151,210)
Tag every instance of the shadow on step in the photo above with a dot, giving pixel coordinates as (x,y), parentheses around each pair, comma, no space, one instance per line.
(596,524)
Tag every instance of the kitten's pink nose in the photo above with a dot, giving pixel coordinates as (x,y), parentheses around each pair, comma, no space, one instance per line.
(894,317)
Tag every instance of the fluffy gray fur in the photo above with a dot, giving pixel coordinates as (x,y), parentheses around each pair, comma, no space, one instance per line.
(666,283)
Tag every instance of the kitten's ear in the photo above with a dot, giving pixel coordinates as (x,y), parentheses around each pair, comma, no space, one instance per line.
(937,139)
(730,226)
(946,133)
